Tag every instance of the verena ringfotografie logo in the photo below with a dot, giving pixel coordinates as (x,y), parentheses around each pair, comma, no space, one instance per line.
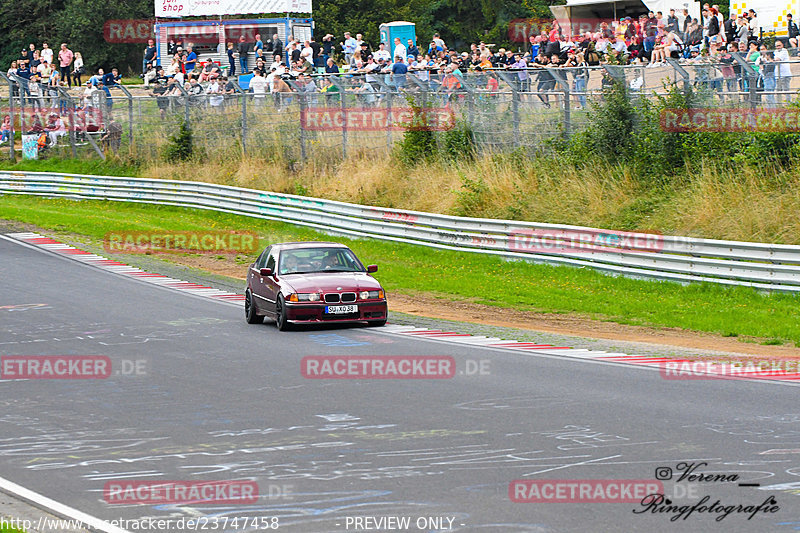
(730,120)
(377,119)
(170,492)
(689,370)
(218,242)
(55,367)
(568,241)
(378,367)
(583,490)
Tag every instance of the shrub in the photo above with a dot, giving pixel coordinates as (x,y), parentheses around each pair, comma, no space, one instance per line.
(181,145)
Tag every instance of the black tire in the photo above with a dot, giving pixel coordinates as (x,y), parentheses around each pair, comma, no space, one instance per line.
(250,310)
(376,323)
(280,314)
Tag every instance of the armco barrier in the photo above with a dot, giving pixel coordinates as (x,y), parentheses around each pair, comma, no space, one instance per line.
(682,259)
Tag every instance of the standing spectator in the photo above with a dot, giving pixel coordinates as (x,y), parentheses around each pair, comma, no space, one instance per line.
(327,47)
(259,86)
(399,48)
(172,47)
(191,59)
(522,74)
(65,57)
(112,139)
(46,53)
(258,45)
(276,46)
(35,88)
(672,22)
(149,55)
(349,47)
(316,49)
(52,87)
(382,53)
(32,54)
(399,72)
(412,49)
(767,62)
(439,42)
(231,59)
(783,70)
(241,49)
(25,73)
(581,78)
(794,32)
(729,27)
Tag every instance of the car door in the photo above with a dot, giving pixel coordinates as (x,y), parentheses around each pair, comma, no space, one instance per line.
(256,282)
(270,286)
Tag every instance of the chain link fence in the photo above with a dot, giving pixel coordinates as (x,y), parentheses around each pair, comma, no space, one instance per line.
(336,116)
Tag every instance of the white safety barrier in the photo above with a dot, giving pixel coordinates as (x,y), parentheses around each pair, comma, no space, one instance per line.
(682,259)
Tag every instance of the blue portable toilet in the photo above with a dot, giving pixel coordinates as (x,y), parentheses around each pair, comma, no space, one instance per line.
(398,28)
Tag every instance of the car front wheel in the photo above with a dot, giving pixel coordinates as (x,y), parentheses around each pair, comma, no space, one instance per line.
(280,314)
(250,310)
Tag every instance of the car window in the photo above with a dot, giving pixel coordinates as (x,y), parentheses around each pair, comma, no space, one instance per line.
(306,260)
(271,262)
(262,259)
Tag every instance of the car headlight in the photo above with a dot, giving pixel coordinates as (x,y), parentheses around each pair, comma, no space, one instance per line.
(304,297)
(370,295)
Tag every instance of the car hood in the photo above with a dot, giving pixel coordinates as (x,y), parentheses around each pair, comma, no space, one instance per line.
(332,282)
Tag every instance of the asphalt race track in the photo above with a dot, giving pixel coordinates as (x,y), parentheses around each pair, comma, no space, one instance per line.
(196,394)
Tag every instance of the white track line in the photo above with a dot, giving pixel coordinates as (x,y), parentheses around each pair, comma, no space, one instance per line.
(59,509)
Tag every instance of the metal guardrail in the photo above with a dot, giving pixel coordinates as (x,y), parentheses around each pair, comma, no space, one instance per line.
(682,259)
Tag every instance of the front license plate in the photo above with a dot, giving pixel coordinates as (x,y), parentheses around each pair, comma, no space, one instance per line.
(341,309)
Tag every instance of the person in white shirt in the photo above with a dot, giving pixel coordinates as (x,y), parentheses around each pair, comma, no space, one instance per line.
(278,65)
(258,85)
(753,25)
(271,78)
(382,53)
(46,53)
(783,69)
(399,48)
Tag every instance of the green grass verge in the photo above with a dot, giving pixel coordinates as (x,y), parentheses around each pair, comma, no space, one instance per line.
(729,311)
(97,167)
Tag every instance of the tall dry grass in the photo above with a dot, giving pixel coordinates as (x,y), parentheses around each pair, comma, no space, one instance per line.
(713,201)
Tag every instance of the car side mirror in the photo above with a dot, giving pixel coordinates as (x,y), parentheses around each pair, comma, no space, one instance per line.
(266,271)
(372,268)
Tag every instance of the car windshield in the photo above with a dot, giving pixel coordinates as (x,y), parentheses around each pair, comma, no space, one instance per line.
(306,260)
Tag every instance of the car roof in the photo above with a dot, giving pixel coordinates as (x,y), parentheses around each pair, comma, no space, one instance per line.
(307,244)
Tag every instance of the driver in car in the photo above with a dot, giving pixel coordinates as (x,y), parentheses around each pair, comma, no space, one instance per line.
(332,262)
(289,264)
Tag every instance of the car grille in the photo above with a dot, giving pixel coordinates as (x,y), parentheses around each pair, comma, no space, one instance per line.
(345,297)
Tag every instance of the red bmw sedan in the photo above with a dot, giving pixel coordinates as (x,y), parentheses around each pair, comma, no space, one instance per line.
(312,283)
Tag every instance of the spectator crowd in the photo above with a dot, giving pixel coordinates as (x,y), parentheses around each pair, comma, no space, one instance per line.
(270,66)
